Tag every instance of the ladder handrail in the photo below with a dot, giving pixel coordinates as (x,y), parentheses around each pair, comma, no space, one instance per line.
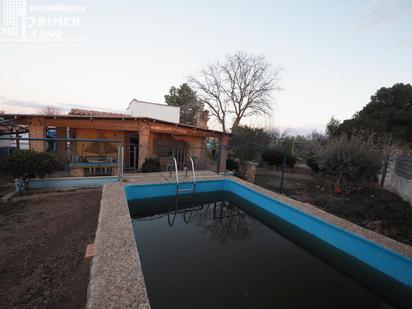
(193,171)
(173,159)
(177,173)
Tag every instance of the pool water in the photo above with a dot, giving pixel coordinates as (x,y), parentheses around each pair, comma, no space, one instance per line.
(208,251)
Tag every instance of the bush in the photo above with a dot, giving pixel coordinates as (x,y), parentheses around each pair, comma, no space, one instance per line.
(357,158)
(291,160)
(151,165)
(275,157)
(29,164)
(232,164)
(46,163)
(247,142)
(312,162)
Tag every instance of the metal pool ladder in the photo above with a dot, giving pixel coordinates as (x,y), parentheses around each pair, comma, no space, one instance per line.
(177,176)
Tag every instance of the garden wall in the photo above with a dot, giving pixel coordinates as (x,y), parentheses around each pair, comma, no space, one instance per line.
(399,177)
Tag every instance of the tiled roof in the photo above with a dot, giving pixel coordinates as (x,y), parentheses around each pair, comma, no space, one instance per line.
(91,113)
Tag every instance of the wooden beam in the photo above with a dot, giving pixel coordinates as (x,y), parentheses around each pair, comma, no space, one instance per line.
(179,130)
(117,125)
(97,124)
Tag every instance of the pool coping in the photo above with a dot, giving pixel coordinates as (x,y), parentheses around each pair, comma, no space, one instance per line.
(117,264)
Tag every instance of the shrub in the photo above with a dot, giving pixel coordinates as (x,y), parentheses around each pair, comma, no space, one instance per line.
(247,142)
(46,163)
(312,162)
(357,158)
(291,160)
(275,157)
(272,157)
(232,164)
(151,165)
(29,164)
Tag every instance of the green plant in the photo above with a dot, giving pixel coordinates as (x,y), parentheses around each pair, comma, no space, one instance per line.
(275,157)
(150,165)
(272,157)
(290,160)
(46,163)
(350,159)
(232,164)
(312,162)
(247,142)
(28,164)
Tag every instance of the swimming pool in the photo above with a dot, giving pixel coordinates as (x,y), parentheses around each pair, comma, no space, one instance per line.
(234,247)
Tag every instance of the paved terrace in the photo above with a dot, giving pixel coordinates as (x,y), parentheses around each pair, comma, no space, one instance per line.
(116,275)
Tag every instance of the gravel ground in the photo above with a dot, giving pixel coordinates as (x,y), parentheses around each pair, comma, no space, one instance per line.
(42,246)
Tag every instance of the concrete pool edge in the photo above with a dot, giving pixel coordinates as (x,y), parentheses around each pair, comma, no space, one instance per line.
(127,292)
(116,277)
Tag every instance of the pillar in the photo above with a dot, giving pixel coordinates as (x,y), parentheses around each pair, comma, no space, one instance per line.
(61,146)
(250,171)
(144,143)
(37,131)
(223,145)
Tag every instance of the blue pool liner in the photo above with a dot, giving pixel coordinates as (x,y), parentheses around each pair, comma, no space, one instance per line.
(378,257)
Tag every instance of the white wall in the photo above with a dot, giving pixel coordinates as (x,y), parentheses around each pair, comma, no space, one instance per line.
(12,143)
(154,110)
(4,143)
(397,184)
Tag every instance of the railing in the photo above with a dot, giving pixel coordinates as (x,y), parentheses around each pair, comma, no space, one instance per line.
(177,173)
(193,172)
(174,161)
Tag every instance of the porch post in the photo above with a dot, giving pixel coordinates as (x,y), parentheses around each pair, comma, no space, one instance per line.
(144,143)
(223,145)
(37,131)
(61,146)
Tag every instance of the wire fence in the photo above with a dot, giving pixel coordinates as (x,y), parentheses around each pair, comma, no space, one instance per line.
(104,157)
(78,157)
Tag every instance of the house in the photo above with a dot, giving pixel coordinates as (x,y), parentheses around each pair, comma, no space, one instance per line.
(154,110)
(141,137)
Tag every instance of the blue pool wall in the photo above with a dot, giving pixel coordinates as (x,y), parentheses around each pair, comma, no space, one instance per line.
(378,257)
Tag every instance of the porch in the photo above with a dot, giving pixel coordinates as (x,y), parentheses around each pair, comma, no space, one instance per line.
(97,146)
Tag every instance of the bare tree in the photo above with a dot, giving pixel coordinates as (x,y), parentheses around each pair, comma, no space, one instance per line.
(241,85)
(277,135)
(50,110)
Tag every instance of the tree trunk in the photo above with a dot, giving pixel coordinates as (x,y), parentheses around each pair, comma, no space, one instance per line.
(236,123)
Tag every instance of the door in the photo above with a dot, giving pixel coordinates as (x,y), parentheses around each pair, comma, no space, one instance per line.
(134,152)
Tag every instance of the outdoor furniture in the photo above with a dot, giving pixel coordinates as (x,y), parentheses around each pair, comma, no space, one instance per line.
(95,166)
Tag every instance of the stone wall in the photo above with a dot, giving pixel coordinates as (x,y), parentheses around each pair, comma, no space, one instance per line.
(145,149)
(250,171)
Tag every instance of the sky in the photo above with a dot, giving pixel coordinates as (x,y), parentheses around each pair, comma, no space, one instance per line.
(334,54)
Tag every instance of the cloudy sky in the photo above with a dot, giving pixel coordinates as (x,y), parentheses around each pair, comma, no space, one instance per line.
(334,54)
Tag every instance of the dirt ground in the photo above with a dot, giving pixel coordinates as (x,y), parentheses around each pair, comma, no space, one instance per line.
(42,247)
(367,205)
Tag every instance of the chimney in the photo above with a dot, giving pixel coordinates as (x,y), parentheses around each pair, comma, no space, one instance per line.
(201,119)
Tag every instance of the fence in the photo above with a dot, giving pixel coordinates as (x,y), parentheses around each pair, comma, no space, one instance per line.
(102,157)
(71,164)
(399,177)
(403,167)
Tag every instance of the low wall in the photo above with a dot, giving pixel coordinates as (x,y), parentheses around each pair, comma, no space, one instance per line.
(397,179)
(70,182)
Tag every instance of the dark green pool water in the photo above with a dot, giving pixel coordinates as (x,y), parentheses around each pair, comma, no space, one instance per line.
(210,252)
